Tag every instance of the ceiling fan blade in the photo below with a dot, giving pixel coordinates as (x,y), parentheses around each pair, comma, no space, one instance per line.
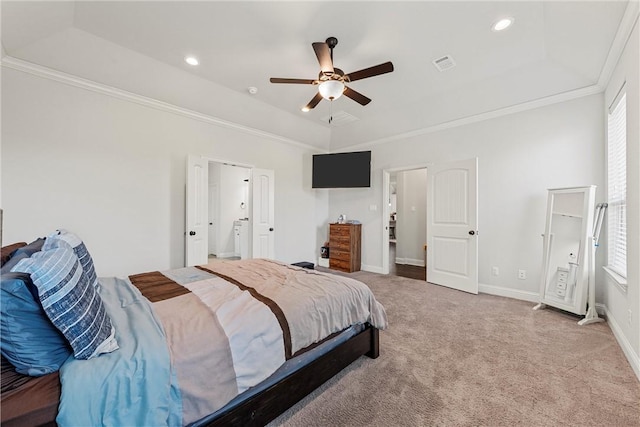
(356,96)
(295,81)
(376,70)
(323,53)
(312,104)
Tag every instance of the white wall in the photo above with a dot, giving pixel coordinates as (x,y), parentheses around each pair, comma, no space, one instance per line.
(618,303)
(520,156)
(411,225)
(113,171)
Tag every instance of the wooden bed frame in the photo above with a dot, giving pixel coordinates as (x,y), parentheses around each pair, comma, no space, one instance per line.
(257,410)
(264,406)
(273,401)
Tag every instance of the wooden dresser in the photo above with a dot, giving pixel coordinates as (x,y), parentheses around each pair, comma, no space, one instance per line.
(344,247)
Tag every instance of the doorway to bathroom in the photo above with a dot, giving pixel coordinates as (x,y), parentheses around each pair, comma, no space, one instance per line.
(228,217)
(254,198)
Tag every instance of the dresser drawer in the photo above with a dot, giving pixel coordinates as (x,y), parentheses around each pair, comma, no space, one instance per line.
(343,255)
(338,264)
(339,245)
(340,230)
(340,240)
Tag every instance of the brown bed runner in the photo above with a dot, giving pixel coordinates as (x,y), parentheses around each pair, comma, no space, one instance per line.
(275,309)
(155,286)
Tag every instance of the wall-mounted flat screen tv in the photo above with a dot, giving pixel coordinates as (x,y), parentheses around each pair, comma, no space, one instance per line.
(342,170)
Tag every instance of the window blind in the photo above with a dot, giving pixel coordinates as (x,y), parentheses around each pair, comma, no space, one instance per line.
(617,186)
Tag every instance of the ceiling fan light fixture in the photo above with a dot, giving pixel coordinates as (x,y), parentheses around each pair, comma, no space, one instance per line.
(331,80)
(191,60)
(331,89)
(502,24)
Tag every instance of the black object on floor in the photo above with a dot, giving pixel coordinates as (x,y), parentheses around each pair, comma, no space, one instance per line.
(304,264)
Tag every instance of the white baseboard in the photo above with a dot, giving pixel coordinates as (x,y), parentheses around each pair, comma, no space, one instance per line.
(410,261)
(510,293)
(627,349)
(371,268)
(601,309)
(227,255)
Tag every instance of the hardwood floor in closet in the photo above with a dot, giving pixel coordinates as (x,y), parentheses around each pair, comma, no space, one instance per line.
(404,270)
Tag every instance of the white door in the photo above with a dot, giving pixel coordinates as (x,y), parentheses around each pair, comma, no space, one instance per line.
(452,225)
(262,202)
(196,233)
(213,219)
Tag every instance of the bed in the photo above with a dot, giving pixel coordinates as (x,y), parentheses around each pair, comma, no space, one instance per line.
(273,333)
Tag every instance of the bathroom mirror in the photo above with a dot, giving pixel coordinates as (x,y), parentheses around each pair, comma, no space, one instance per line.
(566,240)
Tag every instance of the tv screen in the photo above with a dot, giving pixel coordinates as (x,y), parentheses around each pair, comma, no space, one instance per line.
(342,170)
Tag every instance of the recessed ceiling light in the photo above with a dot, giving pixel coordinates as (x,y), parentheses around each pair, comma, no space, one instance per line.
(191,60)
(502,24)
(305,109)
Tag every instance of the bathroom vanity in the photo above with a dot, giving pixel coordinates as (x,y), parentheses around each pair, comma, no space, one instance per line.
(241,238)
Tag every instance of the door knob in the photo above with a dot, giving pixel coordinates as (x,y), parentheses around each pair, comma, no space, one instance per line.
(271,229)
(471,232)
(192,233)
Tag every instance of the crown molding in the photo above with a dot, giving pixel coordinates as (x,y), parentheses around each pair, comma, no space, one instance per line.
(530,105)
(71,80)
(628,22)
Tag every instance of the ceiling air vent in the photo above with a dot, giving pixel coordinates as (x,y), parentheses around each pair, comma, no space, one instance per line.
(339,118)
(444,63)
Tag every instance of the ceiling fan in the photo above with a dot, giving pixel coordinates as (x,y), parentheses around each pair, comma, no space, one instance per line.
(332,81)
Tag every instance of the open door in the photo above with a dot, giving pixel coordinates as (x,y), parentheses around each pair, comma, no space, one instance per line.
(452,225)
(196,233)
(262,202)
(213,219)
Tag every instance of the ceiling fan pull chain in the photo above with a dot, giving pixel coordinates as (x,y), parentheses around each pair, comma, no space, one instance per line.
(330,111)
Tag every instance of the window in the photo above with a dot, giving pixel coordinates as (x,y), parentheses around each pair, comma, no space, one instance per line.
(617,187)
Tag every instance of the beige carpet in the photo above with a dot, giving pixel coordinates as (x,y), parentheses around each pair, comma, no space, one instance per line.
(453,359)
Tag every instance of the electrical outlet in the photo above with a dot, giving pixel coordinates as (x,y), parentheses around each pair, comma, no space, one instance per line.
(522,274)
(495,271)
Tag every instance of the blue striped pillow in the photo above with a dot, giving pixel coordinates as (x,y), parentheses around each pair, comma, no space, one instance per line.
(61,238)
(72,304)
